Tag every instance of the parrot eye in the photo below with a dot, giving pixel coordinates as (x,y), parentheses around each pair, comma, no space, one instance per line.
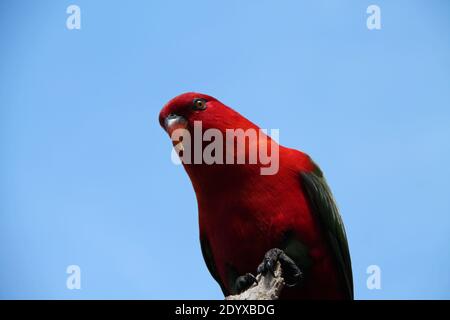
(199,104)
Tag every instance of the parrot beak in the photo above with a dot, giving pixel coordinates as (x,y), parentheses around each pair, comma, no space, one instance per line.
(173,122)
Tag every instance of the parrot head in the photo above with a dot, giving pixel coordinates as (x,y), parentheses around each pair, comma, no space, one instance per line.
(183,110)
(187,112)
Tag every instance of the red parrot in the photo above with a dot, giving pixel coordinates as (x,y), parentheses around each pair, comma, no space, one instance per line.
(246,217)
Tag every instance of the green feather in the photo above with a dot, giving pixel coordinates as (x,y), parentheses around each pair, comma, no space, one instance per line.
(323,205)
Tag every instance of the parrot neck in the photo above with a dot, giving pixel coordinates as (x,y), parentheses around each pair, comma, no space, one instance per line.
(212,179)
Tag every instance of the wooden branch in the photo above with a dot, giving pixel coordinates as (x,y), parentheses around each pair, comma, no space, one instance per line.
(268,287)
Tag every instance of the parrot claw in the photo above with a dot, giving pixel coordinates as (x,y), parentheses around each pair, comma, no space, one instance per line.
(244,282)
(291,273)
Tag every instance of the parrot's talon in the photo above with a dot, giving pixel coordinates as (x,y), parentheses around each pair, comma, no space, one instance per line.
(290,271)
(244,282)
(270,261)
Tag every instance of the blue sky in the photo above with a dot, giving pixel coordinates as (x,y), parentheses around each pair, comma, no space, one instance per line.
(85,170)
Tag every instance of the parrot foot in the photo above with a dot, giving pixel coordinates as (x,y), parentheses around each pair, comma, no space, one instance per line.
(291,272)
(244,282)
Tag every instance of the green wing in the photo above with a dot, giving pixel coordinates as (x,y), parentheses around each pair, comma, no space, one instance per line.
(322,204)
(210,264)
